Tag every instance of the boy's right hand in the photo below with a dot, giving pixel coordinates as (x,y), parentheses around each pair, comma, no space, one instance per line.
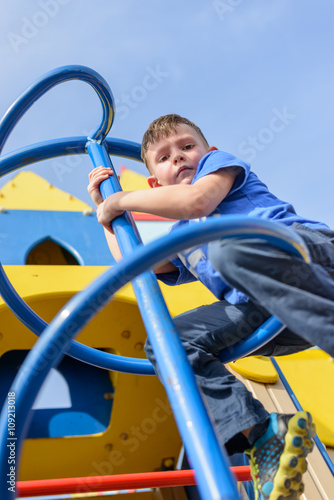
(97,176)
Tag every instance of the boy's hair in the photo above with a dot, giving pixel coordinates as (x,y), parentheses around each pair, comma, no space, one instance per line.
(163,127)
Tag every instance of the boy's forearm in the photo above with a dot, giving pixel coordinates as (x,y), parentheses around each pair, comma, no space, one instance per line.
(163,267)
(113,245)
(174,202)
(181,201)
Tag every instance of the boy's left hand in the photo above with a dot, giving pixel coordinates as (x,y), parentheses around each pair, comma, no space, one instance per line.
(96,176)
(107,210)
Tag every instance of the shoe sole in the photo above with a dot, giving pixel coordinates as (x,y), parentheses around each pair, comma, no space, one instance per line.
(288,483)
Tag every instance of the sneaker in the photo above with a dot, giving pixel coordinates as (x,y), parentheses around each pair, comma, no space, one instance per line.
(277,458)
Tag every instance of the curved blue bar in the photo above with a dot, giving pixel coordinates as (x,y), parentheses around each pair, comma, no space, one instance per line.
(299,407)
(63,147)
(39,152)
(77,350)
(141,366)
(85,304)
(48,350)
(78,145)
(49,80)
(270,329)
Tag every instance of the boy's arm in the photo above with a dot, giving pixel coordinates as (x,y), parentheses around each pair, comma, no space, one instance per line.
(96,177)
(181,201)
(113,245)
(165,267)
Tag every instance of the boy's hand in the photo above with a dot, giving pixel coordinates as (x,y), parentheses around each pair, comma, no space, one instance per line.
(107,210)
(97,176)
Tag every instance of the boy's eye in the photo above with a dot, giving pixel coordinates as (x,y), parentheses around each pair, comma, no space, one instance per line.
(163,158)
(188,146)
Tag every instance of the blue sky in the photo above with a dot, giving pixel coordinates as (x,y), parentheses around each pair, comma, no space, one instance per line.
(256,76)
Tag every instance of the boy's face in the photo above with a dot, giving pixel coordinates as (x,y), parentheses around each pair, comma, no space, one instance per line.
(174,159)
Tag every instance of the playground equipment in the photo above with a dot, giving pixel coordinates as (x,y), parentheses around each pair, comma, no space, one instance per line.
(213,476)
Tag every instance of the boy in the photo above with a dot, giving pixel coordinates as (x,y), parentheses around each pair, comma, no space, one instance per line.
(252,281)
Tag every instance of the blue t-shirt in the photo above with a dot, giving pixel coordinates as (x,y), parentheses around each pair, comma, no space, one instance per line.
(248,196)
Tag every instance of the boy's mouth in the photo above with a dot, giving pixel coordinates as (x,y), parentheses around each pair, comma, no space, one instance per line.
(182,169)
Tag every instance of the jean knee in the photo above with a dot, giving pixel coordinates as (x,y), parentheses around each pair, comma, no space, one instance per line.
(222,254)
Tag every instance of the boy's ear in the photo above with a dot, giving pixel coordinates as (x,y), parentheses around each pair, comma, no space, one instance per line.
(212,148)
(153,182)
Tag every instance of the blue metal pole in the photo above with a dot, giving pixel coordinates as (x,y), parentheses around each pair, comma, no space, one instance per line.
(209,460)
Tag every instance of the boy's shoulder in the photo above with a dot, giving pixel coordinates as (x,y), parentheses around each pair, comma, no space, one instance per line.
(217,160)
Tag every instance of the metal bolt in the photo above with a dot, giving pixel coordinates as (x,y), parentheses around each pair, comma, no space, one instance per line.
(108,396)
(139,346)
(168,463)
(126,334)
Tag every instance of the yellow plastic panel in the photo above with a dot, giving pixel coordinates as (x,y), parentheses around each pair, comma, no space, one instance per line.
(311,376)
(257,368)
(131,181)
(29,191)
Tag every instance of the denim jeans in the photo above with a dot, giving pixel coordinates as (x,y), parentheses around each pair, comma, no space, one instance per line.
(299,294)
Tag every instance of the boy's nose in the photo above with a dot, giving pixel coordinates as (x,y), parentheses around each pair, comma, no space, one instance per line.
(178,157)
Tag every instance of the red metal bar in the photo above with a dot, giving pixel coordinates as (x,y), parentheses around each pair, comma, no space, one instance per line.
(139,216)
(117,482)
